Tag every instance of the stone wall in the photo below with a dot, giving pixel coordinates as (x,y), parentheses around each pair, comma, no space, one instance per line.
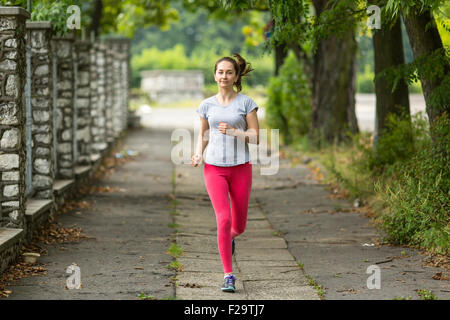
(83,103)
(12,118)
(127,81)
(65,96)
(124,50)
(79,105)
(93,99)
(173,85)
(99,109)
(109,90)
(39,35)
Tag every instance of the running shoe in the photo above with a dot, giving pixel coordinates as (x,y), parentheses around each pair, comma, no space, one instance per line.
(228,283)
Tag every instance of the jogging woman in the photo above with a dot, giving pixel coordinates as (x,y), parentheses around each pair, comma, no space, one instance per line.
(228,123)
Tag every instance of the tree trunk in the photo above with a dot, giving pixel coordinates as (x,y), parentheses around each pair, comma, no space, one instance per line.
(388,52)
(281,52)
(425,41)
(280,55)
(333,107)
(97,17)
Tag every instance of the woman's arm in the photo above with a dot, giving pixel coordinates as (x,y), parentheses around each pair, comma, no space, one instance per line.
(201,143)
(252,133)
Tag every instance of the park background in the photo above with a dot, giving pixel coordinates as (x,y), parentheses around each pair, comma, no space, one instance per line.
(308,68)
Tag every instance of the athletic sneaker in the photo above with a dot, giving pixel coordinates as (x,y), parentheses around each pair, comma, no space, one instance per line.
(228,283)
(232,247)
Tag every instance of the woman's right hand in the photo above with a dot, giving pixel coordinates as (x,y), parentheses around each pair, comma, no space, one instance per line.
(196,159)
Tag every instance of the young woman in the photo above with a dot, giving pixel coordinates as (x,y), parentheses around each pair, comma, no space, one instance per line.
(228,123)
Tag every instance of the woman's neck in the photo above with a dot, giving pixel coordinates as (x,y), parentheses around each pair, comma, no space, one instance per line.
(226,94)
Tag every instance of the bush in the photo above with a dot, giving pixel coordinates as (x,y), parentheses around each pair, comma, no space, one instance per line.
(403,135)
(418,199)
(289,101)
(365,82)
(53,11)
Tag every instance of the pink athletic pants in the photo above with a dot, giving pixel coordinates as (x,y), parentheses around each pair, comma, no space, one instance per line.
(237,182)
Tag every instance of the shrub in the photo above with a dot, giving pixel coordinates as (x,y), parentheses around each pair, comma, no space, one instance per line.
(418,203)
(402,136)
(365,81)
(289,101)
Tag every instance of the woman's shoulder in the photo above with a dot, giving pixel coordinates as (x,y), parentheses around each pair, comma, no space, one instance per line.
(208,99)
(247,101)
(206,102)
(245,97)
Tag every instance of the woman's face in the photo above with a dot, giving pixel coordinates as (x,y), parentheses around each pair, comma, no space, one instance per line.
(225,74)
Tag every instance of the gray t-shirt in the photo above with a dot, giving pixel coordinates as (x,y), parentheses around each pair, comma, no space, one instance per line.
(225,150)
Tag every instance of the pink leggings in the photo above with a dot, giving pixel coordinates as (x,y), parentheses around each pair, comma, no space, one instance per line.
(237,181)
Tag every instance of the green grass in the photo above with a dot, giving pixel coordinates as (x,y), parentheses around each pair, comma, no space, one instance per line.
(175,251)
(426,295)
(177,266)
(174,203)
(174,213)
(319,289)
(143,296)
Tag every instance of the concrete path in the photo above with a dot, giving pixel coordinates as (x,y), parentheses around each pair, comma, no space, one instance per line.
(263,265)
(129,229)
(299,242)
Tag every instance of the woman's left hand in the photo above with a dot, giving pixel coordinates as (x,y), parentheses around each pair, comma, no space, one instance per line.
(225,128)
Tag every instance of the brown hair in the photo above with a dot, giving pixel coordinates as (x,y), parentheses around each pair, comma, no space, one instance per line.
(241,67)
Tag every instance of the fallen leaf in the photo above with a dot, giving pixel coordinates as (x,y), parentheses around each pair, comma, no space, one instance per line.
(437,276)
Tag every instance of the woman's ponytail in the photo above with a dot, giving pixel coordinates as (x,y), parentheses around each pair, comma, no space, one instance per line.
(244,69)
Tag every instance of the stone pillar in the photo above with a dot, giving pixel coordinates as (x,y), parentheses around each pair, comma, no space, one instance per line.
(121,47)
(126,78)
(116,56)
(12,116)
(65,95)
(94,100)
(98,129)
(109,106)
(39,38)
(83,103)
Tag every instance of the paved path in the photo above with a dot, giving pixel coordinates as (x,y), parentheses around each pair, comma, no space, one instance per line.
(130,229)
(263,265)
(293,222)
(296,236)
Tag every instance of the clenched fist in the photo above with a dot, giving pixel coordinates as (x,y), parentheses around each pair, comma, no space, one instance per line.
(196,159)
(225,128)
